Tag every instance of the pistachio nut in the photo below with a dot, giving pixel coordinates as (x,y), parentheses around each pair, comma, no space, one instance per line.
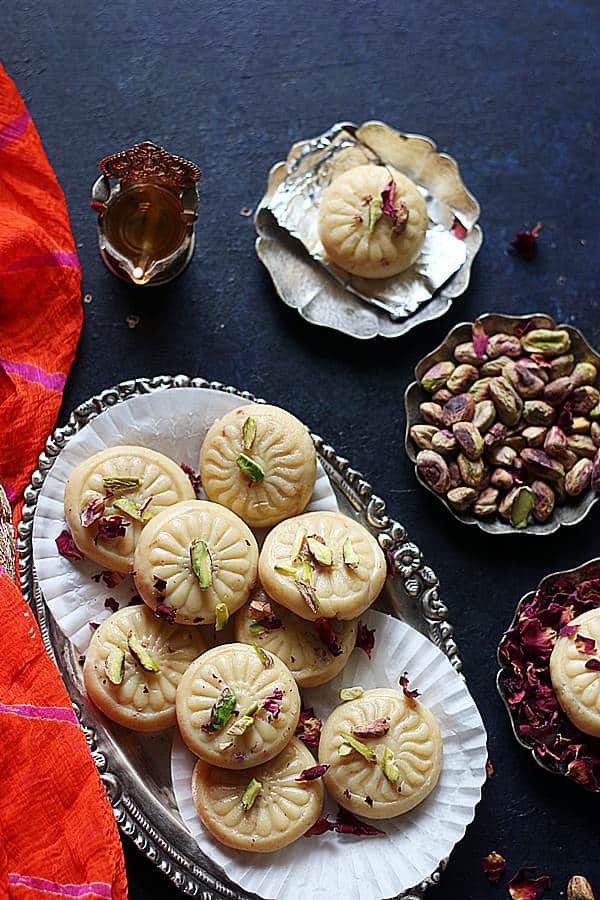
(522,506)
(578,479)
(502,479)
(548,342)
(495,367)
(596,474)
(558,487)
(455,476)
(544,500)
(595,412)
(541,465)
(556,442)
(462,378)
(524,380)
(433,470)
(535,367)
(505,504)
(431,413)
(562,365)
(422,435)
(579,888)
(461,498)
(442,396)
(437,376)
(580,425)
(471,470)
(502,455)
(443,442)
(465,353)
(509,405)
(557,391)
(503,345)
(538,412)
(481,389)
(469,439)
(535,435)
(487,502)
(584,373)
(484,415)
(458,409)
(584,399)
(515,439)
(595,433)
(582,445)
(568,459)
(495,435)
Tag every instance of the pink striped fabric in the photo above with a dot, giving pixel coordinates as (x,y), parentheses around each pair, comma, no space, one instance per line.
(53,381)
(94,889)
(56,713)
(13,130)
(43,260)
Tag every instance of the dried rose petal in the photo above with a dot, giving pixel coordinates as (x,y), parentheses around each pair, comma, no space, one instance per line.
(365,638)
(565,418)
(348,824)
(272,704)
(166,612)
(94,625)
(111,527)
(312,773)
(493,865)
(322,825)
(376,728)
(392,566)
(397,212)
(458,230)
(567,630)
(92,511)
(260,609)
(525,242)
(523,886)
(195,479)
(404,683)
(328,636)
(480,338)
(112,604)
(593,665)
(537,639)
(489,768)
(585,644)
(309,728)
(66,545)
(110,579)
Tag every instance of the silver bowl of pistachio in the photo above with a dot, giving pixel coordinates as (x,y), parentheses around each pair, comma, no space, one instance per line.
(503,424)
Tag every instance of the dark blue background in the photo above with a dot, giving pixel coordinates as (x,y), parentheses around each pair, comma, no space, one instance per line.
(509,89)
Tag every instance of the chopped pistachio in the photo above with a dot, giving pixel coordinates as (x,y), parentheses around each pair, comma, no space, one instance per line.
(201,562)
(248,432)
(303,581)
(375,212)
(320,552)
(367,752)
(115,664)
(140,654)
(306,572)
(290,571)
(389,767)
(297,543)
(222,616)
(352,693)
(223,709)
(225,745)
(132,509)
(350,555)
(250,467)
(245,721)
(251,793)
(265,658)
(120,485)
(344,750)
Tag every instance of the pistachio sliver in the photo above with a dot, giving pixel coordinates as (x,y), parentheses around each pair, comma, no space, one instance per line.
(250,467)
(251,793)
(321,553)
(351,693)
(115,665)
(297,543)
(375,213)
(290,571)
(389,767)
(201,563)
(350,555)
(248,432)
(344,750)
(131,508)
(367,752)
(265,658)
(245,721)
(140,654)
(221,616)
(120,485)
(223,709)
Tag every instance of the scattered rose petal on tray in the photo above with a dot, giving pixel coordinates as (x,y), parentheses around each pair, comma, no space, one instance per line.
(328,636)
(312,773)
(112,604)
(166,612)
(194,477)
(480,338)
(524,242)
(309,728)
(493,865)
(405,685)
(345,823)
(66,545)
(365,638)
(524,886)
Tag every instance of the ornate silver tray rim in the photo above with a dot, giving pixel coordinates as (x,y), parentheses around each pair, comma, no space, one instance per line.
(140,816)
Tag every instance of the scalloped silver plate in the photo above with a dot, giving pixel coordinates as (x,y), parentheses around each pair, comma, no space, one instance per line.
(303,284)
(135,768)
(570,513)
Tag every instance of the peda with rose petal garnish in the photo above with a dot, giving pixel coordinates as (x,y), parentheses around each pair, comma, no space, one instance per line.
(110,497)
(196,561)
(237,706)
(259,461)
(134,664)
(575,671)
(261,809)
(322,564)
(372,221)
(314,652)
(384,752)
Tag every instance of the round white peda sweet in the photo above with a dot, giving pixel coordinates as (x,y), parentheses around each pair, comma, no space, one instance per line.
(372,221)
(405,740)
(131,483)
(237,706)
(134,664)
(193,557)
(313,653)
(338,568)
(576,685)
(259,461)
(283,809)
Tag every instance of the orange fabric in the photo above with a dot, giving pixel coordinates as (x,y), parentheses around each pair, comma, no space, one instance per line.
(58,836)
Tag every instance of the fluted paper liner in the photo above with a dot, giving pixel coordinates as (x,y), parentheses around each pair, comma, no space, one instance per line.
(369,868)
(174,422)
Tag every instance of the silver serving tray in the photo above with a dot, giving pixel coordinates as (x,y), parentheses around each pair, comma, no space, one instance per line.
(567,514)
(135,769)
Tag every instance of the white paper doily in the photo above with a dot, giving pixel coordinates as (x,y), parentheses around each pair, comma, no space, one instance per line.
(369,868)
(173,422)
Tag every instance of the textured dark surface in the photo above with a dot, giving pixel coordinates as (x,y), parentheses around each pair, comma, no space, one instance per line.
(509,90)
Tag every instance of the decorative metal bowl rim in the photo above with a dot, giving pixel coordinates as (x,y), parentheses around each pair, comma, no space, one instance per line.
(184,872)
(495,525)
(530,745)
